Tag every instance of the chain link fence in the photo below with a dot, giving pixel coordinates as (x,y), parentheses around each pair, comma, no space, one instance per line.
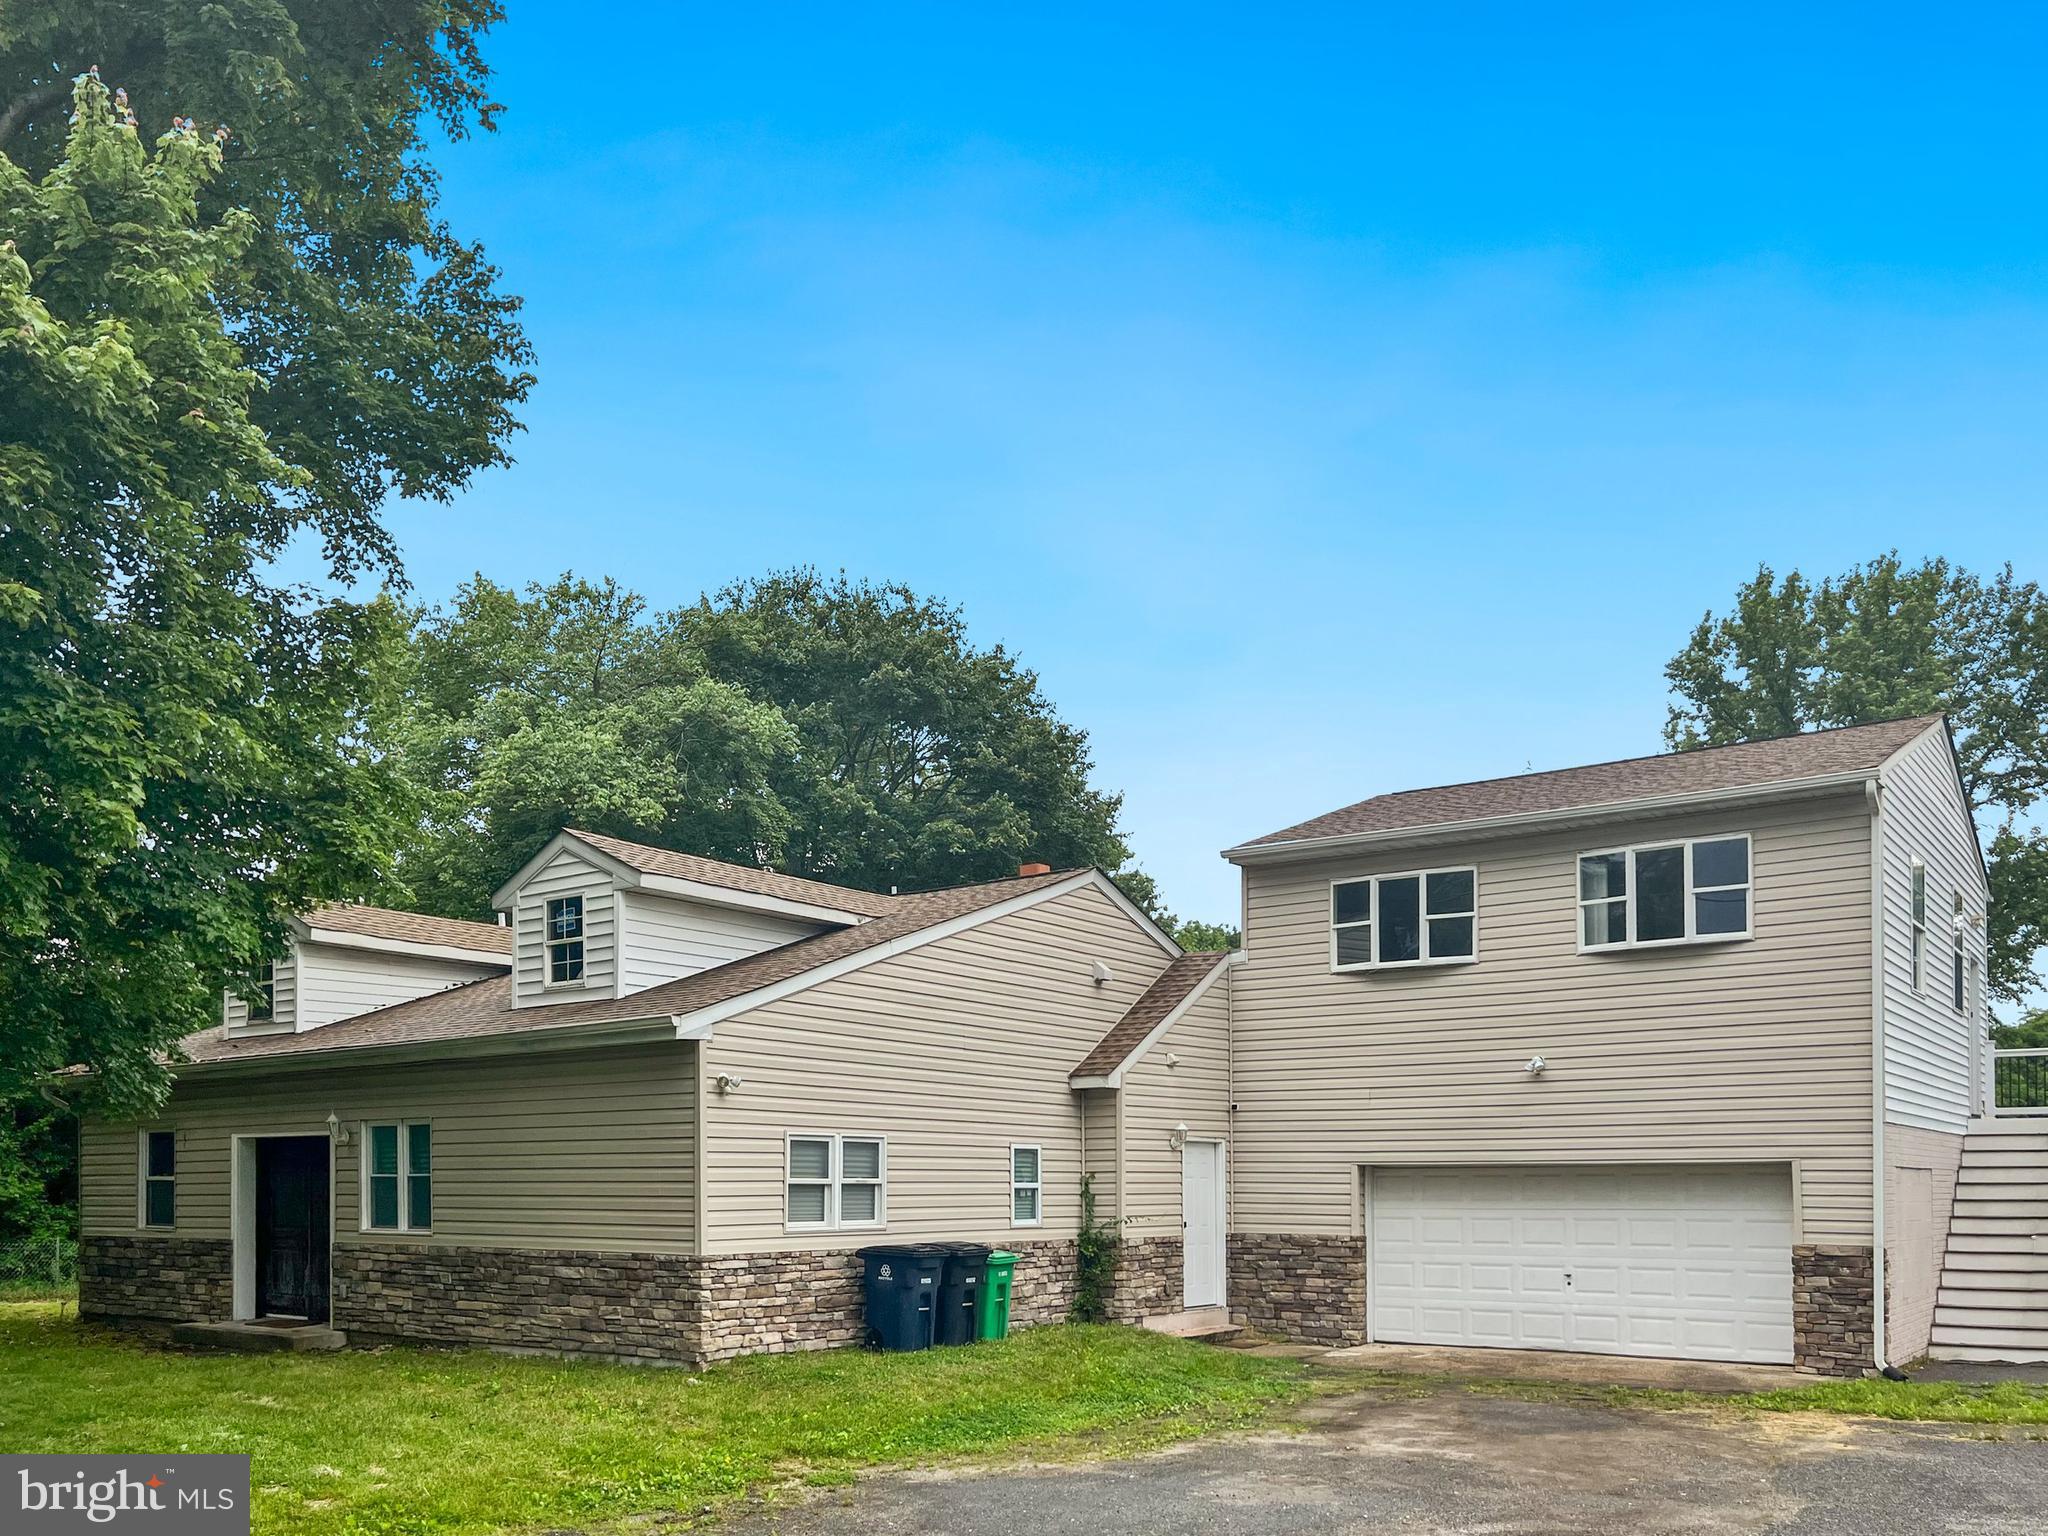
(32,1263)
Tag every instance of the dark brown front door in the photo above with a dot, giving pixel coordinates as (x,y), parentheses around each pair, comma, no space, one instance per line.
(291,1227)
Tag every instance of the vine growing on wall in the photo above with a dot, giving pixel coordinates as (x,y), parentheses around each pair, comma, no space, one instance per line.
(1098,1244)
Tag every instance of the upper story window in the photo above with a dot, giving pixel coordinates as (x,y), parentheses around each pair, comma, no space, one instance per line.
(565,939)
(1919,924)
(1693,891)
(1424,917)
(262,1003)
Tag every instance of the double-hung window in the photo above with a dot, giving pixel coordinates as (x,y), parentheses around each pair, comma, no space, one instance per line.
(1919,924)
(1026,1187)
(1424,917)
(565,940)
(835,1182)
(398,1176)
(1688,892)
(159,1158)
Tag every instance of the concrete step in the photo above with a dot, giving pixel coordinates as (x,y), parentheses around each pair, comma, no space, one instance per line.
(1967,1296)
(260,1336)
(1195,1323)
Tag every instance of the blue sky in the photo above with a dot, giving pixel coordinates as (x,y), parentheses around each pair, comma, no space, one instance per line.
(1323,402)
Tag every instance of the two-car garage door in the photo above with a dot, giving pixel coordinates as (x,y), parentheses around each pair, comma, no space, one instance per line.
(1694,1263)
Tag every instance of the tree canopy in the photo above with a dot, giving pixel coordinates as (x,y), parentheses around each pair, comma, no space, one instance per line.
(185,747)
(389,358)
(1883,641)
(846,731)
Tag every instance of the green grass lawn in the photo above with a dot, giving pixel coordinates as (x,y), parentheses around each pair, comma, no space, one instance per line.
(448,1441)
(1934,1401)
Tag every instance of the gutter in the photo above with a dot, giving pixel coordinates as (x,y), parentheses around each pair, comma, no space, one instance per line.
(559,1037)
(1444,831)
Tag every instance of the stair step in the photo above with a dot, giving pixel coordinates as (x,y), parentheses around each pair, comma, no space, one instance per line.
(1965,1278)
(1976,1209)
(1993,1269)
(1992,1356)
(1195,1323)
(2008,1176)
(1998,1226)
(2003,1336)
(2025,1129)
(1967,1251)
(1994,1320)
(1968,1297)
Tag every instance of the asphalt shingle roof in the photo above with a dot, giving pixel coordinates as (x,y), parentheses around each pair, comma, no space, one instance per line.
(411,927)
(1179,978)
(650,860)
(485,1007)
(1749,764)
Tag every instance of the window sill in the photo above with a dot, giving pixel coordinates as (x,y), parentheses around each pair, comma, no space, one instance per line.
(1697,942)
(1404,965)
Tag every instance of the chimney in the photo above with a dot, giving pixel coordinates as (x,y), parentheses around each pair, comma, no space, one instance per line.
(1033,869)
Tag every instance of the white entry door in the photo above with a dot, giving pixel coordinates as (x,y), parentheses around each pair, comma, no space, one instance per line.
(1202,1221)
(1691,1263)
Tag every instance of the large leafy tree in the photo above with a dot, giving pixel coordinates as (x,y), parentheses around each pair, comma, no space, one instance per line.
(184,746)
(390,360)
(843,730)
(1887,640)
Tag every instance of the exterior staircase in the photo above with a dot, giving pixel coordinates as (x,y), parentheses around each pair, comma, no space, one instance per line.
(1993,1302)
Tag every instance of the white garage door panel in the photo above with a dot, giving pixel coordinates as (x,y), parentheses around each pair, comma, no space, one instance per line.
(1692,1263)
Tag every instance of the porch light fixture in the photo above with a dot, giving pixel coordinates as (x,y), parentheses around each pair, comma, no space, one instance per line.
(336,1131)
(727,1081)
(1177,1138)
(1535,1065)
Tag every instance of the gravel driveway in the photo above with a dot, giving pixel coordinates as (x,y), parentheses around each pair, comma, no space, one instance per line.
(1447,1460)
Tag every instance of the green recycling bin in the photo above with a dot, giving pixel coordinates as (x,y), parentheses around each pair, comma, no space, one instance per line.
(993,1311)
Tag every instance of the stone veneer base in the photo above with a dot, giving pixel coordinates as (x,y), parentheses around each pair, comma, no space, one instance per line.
(657,1308)
(1309,1289)
(1832,1313)
(164,1279)
(1149,1281)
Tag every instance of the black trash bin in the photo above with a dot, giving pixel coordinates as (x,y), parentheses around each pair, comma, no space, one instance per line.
(966,1271)
(901,1285)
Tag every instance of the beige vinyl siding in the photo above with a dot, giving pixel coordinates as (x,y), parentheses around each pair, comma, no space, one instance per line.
(952,1050)
(586,1150)
(284,1009)
(564,875)
(663,937)
(1099,1151)
(1748,1051)
(1920,1168)
(1926,1042)
(1159,1096)
(336,982)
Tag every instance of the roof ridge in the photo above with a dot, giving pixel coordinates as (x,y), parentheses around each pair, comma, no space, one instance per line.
(1651,757)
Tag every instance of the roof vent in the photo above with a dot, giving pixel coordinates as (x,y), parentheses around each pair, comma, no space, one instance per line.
(1033,869)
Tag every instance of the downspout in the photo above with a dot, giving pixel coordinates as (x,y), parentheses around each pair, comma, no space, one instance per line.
(1873,790)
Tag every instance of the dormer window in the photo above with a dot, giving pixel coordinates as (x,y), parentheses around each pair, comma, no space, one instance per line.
(565,940)
(262,1003)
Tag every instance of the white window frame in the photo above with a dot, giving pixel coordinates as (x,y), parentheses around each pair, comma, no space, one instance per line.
(549,943)
(1692,935)
(144,1178)
(1036,1186)
(1916,902)
(1372,920)
(836,1180)
(405,1175)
